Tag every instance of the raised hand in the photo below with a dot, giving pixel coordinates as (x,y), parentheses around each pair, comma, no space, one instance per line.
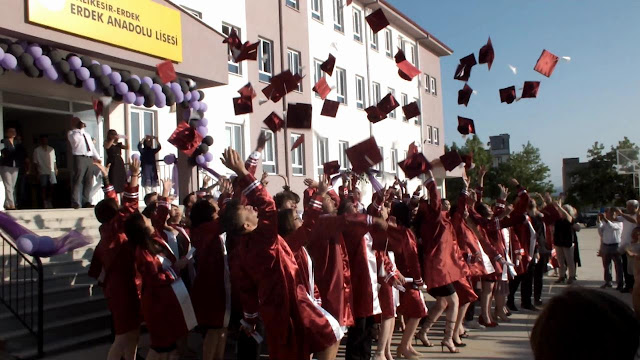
(262,140)
(134,166)
(167,184)
(482,171)
(231,159)
(504,192)
(264,180)
(514,182)
(310,183)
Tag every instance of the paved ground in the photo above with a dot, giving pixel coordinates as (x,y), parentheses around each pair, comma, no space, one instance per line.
(508,341)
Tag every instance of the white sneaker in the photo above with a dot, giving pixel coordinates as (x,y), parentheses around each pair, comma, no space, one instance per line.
(473,325)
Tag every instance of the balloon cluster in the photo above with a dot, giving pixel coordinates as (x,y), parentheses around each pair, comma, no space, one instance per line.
(83,72)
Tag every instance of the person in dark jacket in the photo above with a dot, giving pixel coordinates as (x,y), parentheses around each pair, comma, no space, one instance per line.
(148,160)
(13,158)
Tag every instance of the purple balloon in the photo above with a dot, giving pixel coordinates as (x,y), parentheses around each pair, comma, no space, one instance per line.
(202,130)
(135,157)
(169,159)
(179,97)
(200,160)
(161,100)
(89,85)
(147,80)
(187,96)
(83,73)
(157,89)
(122,88)
(43,62)
(94,62)
(35,51)
(195,105)
(134,76)
(74,63)
(130,97)
(106,69)
(208,157)
(51,74)
(1,54)
(139,101)
(203,107)
(9,62)
(115,78)
(195,95)
(204,122)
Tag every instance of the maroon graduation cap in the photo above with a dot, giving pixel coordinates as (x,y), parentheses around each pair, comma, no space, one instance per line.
(299,116)
(388,104)
(247,91)
(330,108)
(322,88)
(298,142)
(451,160)
(364,155)
(407,71)
(466,126)
(166,72)
(374,114)
(463,71)
(468,161)
(98,108)
(546,63)
(508,94)
(331,167)
(247,51)
(414,165)
(242,105)
(411,110)
(281,85)
(328,65)
(185,138)
(377,21)
(530,89)
(464,95)
(274,122)
(233,40)
(400,57)
(486,54)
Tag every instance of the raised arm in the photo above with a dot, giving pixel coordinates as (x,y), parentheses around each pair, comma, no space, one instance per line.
(159,218)
(435,202)
(252,161)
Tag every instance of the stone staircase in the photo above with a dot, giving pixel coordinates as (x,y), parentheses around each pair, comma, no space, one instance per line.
(75,311)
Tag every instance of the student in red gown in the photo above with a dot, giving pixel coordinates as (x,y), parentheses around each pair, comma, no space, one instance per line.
(113,264)
(266,275)
(166,305)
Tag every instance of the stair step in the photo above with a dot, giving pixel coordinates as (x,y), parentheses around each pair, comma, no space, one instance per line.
(74,342)
(49,268)
(51,281)
(22,297)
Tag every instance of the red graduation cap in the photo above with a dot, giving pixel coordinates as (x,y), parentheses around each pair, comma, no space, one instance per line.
(247,51)
(400,57)
(364,155)
(242,105)
(166,71)
(299,116)
(414,165)
(508,95)
(331,167)
(322,88)
(274,122)
(298,142)
(407,71)
(185,138)
(546,63)
(463,71)
(374,114)
(281,85)
(411,110)
(464,95)
(486,54)
(98,108)
(247,91)
(377,21)
(530,89)
(233,40)
(451,160)
(349,2)
(413,149)
(466,126)
(328,65)
(330,108)
(388,104)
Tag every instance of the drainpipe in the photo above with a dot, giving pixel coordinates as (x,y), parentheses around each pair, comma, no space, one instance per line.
(284,98)
(420,79)
(366,44)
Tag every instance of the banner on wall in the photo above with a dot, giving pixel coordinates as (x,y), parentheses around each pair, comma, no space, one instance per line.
(141,25)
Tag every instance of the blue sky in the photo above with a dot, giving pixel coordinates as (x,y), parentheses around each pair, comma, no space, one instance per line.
(594,97)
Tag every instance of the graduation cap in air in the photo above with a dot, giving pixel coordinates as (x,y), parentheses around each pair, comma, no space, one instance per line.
(298,142)
(299,116)
(364,155)
(246,51)
(281,85)
(451,160)
(466,126)
(186,139)
(464,95)
(242,105)
(407,71)
(374,114)
(411,110)
(274,122)
(98,107)
(508,94)
(530,89)
(486,54)
(377,21)
(166,71)
(328,65)
(546,63)
(463,71)
(414,165)
(233,40)
(331,167)
(388,104)
(322,88)
(247,91)
(468,161)
(330,108)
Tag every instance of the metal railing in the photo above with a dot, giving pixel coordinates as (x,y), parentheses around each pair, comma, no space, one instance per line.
(21,289)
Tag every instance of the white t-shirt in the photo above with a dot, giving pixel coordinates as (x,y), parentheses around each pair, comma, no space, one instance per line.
(627,229)
(45,159)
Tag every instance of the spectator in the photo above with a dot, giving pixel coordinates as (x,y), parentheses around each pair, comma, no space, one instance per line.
(564,233)
(13,158)
(117,172)
(44,161)
(629,222)
(148,160)
(84,154)
(610,230)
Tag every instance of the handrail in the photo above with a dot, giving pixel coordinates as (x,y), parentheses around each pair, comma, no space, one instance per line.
(11,284)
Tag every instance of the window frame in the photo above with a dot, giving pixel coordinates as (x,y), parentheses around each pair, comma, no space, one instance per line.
(376,90)
(291,53)
(133,143)
(297,154)
(427,83)
(418,119)
(317,14)
(342,154)
(404,98)
(388,43)
(394,160)
(293,4)
(360,93)
(264,76)
(434,86)
(392,114)
(274,152)
(429,139)
(374,42)
(380,166)
(338,16)
(341,84)
(322,153)
(232,143)
(357,24)
(436,136)
(230,63)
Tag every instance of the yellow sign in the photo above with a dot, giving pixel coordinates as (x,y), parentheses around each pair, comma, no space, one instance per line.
(141,25)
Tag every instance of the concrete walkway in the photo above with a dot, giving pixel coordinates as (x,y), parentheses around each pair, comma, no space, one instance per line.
(507,341)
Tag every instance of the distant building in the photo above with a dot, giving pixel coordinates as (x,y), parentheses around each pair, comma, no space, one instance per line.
(499,148)
(570,165)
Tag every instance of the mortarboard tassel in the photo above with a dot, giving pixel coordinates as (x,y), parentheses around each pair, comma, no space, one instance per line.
(513,69)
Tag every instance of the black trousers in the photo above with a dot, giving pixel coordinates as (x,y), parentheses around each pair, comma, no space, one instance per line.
(359,339)
(246,346)
(525,292)
(629,280)
(538,274)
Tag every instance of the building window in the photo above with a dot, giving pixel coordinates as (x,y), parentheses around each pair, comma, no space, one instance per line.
(375,92)
(341,85)
(393,113)
(418,119)
(269,153)
(323,153)
(142,123)
(380,166)
(292,4)
(316,9)
(357,24)
(433,86)
(193,12)
(405,102)
(436,136)
(265,60)
(388,43)
(360,92)
(235,138)
(297,156)
(402,45)
(412,55)
(338,15)
(374,40)
(318,71)
(394,160)
(342,152)
(295,64)
(429,130)
(234,67)
(427,83)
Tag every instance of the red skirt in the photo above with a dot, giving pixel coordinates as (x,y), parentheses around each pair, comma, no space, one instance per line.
(387,304)
(125,311)
(412,304)
(465,291)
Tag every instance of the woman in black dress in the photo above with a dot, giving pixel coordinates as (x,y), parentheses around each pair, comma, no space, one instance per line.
(148,161)
(117,172)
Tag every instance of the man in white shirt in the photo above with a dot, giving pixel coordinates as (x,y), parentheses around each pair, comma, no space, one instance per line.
(84,154)
(44,161)
(628,217)
(610,230)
